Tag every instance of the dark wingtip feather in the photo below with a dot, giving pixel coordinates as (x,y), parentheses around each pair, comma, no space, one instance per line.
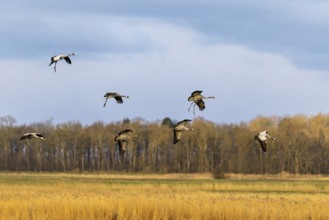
(119,99)
(68,60)
(201,105)
(263,146)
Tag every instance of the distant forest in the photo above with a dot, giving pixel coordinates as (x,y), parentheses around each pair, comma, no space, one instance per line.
(302,146)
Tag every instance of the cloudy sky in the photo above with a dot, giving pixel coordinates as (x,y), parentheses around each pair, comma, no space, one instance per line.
(256,58)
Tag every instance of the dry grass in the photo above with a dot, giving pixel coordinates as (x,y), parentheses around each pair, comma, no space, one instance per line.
(89,196)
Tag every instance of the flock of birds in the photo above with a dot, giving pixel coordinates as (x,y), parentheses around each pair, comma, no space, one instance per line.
(196,99)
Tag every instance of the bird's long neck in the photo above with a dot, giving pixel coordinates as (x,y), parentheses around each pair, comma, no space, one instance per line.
(188,129)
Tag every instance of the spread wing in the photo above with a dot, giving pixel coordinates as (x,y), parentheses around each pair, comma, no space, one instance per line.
(177,135)
(127,131)
(263,145)
(68,60)
(195,93)
(118,99)
(110,94)
(39,135)
(25,136)
(183,123)
(122,146)
(201,105)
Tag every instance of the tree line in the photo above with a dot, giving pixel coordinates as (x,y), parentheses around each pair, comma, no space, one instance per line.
(302,146)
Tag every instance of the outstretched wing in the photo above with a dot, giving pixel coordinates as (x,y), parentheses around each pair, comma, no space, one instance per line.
(25,136)
(195,93)
(122,146)
(118,99)
(68,60)
(177,136)
(263,145)
(127,131)
(39,135)
(201,105)
(109,94)
(184,122)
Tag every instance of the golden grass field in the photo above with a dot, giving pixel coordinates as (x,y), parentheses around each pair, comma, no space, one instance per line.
(130,196)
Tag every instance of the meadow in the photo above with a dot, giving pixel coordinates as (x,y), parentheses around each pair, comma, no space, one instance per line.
(168,196)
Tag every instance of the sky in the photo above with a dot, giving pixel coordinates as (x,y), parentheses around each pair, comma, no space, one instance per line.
(257,58)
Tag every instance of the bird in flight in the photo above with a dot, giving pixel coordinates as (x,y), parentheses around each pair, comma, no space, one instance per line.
(114,95)
(33,135)
(179,128)
(197,99)
(262,138)
(122,139)
(57,58)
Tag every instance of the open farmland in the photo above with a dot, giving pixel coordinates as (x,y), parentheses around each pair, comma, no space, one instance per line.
(123,196)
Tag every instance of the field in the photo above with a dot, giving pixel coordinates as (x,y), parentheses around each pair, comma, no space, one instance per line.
(130,196)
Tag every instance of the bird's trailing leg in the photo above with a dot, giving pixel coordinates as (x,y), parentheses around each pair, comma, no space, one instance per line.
(105,103)
(55,67)
(190,106)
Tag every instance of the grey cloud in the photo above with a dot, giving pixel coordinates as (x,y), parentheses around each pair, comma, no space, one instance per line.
(297,29)
(239,51)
